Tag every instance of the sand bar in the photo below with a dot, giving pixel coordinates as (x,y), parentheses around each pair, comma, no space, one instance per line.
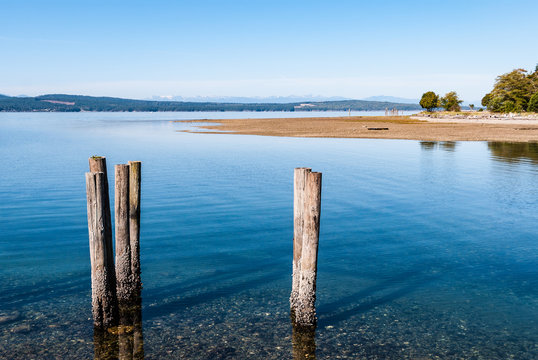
(380,127)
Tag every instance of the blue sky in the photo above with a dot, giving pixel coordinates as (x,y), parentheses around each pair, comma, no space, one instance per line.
(354,49)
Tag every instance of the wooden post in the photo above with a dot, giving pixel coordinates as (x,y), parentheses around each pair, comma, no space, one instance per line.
(98,164)
(305,313)
(123,245)
(134,223)
(299,181)
(104,304)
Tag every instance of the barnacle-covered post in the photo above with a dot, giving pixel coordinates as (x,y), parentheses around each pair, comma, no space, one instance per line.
(299,182)
(124,279)
(134,223)
(104,301)
(305,310)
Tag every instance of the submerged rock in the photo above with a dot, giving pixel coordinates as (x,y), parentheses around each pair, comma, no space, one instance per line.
(23,328)
(222,353)
(7,317)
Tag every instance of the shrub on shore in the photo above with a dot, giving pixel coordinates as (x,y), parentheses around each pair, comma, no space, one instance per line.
(451,101)
(429,101)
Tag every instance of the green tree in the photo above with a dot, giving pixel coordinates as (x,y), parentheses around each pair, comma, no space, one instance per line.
(533,103)
(429,101)
(513,91)
(471,106)
(451,102)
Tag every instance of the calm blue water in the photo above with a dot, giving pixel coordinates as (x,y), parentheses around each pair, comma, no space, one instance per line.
(426,249)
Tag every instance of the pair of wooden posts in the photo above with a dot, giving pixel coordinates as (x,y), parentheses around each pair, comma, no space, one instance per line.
(120,285)
(113,287)
(306,216)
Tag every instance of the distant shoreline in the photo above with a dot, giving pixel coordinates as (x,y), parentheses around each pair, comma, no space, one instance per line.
(481,128)
(80,103)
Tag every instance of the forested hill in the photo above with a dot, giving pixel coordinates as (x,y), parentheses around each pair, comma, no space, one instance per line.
(75,103)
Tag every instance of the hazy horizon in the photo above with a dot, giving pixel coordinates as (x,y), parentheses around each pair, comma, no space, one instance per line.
(249,99)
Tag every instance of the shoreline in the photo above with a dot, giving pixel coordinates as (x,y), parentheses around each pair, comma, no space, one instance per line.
(475,127)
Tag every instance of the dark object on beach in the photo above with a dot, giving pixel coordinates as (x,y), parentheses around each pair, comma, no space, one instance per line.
(307,208)
(378,128)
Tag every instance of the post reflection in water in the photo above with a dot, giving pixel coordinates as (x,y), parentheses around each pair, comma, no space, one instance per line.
(448,145)
(444,145)
(303,341)
(428,145)
(124,342)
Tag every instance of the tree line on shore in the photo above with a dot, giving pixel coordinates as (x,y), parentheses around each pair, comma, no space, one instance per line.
(516,91)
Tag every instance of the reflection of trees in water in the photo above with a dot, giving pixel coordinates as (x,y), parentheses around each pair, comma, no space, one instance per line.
(428,145)
(448,145)
(124,342)
(303,341)
(444,145)
(514,152)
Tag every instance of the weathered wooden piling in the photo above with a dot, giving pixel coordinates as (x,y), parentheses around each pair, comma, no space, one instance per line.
(134,222)
(305,311)
(104,302)
(299,181)
(124,283)
(98,164)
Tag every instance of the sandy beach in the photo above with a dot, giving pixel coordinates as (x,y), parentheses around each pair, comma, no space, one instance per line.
(476,127)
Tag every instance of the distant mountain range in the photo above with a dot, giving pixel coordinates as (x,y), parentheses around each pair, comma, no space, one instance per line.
(280,99)
(74,103)
(250,100)
(392,99)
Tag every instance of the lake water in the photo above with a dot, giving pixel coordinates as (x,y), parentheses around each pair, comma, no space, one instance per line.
(427,250)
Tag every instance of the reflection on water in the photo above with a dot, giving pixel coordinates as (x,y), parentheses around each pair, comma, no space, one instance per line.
(509,152)
(124,342)
(427,250)
(514,152)
(304,342)
(444,145)
(448,145)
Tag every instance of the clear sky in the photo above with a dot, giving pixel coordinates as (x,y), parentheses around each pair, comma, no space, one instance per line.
(354,49)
